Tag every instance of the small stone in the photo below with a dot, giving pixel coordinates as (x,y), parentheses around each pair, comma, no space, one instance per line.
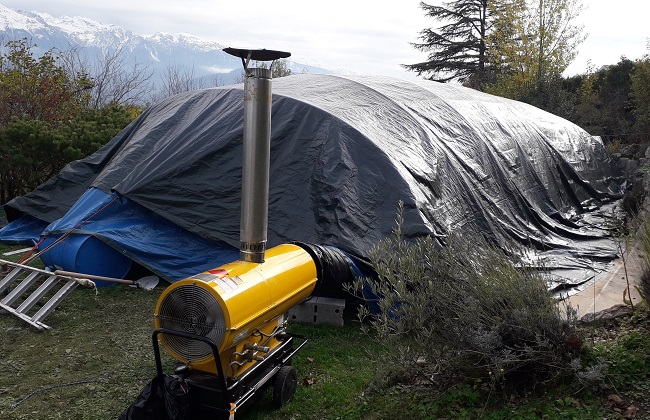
(630,412)
(616,399)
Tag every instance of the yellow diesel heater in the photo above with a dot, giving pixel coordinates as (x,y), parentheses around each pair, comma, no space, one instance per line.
(239,306)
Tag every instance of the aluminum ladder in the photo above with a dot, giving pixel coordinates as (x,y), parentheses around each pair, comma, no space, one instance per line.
(31,285)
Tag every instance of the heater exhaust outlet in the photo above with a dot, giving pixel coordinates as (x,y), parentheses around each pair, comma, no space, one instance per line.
(255,165)
(256,152)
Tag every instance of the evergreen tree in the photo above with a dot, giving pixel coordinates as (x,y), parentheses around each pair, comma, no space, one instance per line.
(457,49)
(32,151)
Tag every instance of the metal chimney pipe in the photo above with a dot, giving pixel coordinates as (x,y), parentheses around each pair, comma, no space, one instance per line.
(255,165)
(256,152)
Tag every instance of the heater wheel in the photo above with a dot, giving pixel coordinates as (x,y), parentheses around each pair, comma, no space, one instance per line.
(284,386)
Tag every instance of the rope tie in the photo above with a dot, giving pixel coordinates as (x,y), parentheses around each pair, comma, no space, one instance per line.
(26,259)
(88,284)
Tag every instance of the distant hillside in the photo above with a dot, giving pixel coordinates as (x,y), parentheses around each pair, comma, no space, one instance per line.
(159,51)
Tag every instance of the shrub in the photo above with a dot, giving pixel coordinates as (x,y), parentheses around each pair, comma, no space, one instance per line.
(614,146)
(644,241)
(633,200)
(466,309)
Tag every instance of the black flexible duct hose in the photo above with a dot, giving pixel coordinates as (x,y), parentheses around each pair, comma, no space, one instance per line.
(333,270)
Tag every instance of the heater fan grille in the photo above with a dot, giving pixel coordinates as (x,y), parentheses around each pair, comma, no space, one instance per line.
(192,309)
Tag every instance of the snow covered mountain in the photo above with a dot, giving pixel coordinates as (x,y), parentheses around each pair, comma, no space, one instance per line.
(94,39)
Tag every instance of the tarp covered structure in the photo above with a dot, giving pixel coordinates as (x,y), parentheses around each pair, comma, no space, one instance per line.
(344,151)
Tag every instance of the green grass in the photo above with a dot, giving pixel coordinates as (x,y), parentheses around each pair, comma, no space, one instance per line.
(103,338)
(106,338)
(334,369)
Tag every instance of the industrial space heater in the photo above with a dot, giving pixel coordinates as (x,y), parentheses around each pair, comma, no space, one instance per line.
(226,327)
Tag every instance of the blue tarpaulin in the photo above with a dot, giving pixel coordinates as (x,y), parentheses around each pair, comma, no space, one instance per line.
(132,230)
(24,230)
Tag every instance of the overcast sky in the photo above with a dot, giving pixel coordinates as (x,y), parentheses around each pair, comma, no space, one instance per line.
(359,36)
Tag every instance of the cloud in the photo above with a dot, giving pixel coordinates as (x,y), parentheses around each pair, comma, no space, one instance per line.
(364,36)
(218,70)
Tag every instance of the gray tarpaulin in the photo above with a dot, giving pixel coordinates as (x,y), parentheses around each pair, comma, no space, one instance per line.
(344,151)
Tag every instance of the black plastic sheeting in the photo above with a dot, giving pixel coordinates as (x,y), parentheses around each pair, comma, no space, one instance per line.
(344,152)
(165,397)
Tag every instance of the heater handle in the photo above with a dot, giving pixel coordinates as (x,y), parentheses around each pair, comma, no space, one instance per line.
(304,339)
(215,352)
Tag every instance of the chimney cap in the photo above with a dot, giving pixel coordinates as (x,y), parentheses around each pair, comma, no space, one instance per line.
(257,55)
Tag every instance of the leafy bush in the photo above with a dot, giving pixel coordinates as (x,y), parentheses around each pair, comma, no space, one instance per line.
(466,309)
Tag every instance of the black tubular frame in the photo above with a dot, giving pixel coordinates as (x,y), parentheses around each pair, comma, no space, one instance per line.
(281,356)
(215,351)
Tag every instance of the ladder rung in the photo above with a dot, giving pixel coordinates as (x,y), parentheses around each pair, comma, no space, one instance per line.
(38,294)
(9,278)
(31,293)
(22,287)
(55,300)
(24,317)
